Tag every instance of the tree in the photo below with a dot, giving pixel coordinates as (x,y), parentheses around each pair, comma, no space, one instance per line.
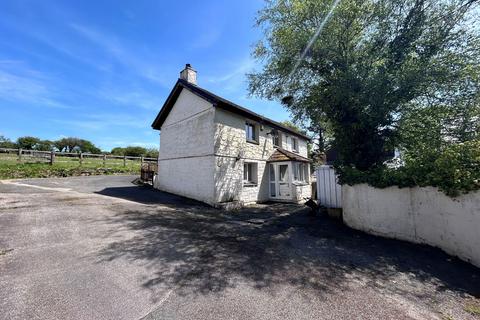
(45,145)
(27,142)
(67,144)
(118,151)
(371,64)
(88,146)
(7,143)
(151,153)
(135,151)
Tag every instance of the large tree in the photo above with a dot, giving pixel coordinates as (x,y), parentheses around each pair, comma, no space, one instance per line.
(361,65)
(27,142)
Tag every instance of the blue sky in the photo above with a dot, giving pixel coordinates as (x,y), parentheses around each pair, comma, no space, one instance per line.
(101,70)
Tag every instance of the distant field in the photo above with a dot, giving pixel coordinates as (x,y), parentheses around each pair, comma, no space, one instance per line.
(39,167)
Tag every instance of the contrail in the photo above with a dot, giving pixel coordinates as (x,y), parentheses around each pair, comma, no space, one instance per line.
(315,36)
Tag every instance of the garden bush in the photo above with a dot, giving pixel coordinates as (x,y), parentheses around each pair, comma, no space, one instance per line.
(454,169)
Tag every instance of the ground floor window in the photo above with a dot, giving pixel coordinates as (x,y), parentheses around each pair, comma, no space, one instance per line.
(300,171)
(250,176)
(273,189)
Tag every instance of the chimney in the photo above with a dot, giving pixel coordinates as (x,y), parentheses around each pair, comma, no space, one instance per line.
(188,74)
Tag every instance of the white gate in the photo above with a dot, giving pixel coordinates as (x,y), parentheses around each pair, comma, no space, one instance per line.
(329,192)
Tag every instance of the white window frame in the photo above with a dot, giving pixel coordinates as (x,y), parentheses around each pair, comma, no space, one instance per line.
(276,137)
(300,172)
(250,173)
(251,135)
(294,144)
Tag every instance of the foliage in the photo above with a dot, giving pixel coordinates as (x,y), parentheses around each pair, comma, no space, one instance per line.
(27,142)
(454,169)
(45,145)
(43,170)
(373,62)
(135,151)
(7,143)
(72,144)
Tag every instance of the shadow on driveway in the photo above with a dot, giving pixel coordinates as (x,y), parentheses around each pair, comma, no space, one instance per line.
(148,195)
(199,250)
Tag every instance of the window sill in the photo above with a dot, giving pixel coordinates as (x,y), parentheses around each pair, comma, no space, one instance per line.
(253,142)
(300,183)
(249,184)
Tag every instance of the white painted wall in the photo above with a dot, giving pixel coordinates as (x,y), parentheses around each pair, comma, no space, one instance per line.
(186,161)
(203,149)
(421,215)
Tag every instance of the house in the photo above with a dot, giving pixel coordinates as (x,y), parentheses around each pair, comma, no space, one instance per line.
(220,153)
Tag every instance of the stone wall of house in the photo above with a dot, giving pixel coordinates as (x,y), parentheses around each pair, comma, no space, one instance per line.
(421,215)
(232,150)
(286,143)
(186,162)
(302,191)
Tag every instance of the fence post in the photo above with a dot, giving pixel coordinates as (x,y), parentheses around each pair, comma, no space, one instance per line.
(141,160)
(20,155)
(124,161)
(80,156)
(104,160)
(52,157)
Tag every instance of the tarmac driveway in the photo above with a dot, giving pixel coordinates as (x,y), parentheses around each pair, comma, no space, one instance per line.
(103,248)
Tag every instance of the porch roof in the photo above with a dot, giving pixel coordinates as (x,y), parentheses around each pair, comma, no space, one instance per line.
(283,155)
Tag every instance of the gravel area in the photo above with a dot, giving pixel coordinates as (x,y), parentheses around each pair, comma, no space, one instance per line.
(102,248)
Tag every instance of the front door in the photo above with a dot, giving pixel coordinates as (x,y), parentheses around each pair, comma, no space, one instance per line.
(280,187)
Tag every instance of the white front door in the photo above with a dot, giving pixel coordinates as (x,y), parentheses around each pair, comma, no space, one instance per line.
(280,185)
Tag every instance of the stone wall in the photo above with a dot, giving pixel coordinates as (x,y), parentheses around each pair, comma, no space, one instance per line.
(302,191)
(421,215)
(232,150)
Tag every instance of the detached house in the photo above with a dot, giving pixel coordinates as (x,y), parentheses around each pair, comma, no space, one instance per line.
(218,152)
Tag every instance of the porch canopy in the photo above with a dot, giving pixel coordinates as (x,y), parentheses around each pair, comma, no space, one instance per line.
(284,155)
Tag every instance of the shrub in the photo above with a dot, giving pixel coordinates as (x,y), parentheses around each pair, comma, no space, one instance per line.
(454,169)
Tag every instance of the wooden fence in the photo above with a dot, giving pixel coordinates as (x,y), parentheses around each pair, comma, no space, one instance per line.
(80,158)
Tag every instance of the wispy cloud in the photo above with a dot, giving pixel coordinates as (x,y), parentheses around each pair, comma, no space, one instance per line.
(111,45)
(207,38)
(19,83)
(133,97)
(106,121)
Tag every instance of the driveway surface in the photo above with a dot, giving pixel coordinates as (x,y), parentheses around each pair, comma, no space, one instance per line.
(103,248)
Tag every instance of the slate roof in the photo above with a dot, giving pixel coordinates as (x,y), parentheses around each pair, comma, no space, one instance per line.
(217,102)
(283,155)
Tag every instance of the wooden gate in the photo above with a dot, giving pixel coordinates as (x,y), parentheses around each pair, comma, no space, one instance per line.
(329,192)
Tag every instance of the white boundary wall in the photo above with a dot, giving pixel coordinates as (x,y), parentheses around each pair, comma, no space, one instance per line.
(329,192)
(421,215)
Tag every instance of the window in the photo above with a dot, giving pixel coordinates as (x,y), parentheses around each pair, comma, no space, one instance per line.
(250,132)
(295,144)
(300,171)
(276,138)
(273,189)
(249,173)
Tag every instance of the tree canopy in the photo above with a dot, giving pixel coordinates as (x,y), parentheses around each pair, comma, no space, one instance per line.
(374,66)
(135,151)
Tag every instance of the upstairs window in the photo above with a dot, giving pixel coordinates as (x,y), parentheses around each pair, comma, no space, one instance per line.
(250,173)
(295,144)
(276,138)
(250,132)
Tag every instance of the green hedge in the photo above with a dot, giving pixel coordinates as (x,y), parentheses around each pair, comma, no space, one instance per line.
(454,169)
(43,170)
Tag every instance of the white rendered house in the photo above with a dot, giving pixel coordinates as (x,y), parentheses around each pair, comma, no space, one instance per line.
(215,151)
